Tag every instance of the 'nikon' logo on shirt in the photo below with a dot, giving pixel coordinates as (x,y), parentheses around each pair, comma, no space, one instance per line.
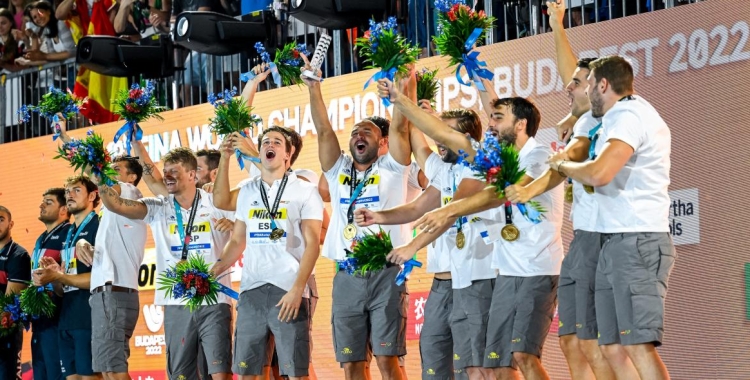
(447,200)
(347,180)
(200,227)
(261,213)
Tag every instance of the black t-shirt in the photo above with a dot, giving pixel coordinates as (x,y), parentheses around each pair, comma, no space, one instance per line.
(50,245)
(76,312)
(15,265)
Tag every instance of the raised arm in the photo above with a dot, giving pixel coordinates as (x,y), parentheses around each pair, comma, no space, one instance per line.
(488,96)
(64,9)
(398,138)
(151,174)
(431,126)
(248,92)
(566,59)
(122,18)
(329,149)
(126,207)
(419,146)
(221,194)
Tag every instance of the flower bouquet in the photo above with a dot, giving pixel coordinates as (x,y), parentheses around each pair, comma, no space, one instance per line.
(368,254)
(12,318)
(499,165)
(383,48)
(89,153)
(192,282)
(427,85)
(286,65)
(232,115)
(135,105)
(37,302)
(459,29)
(54,102)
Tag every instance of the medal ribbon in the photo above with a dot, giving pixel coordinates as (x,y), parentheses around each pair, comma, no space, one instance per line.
(37,254)
(70,243)
(597,131)
(355,192)
(460,221)
(185,237)
(264,197)
(508,213)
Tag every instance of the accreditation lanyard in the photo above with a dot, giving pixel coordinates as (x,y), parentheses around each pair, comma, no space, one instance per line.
(37,254)
(460,220)
(186,236)
(355,189)
(70,243)
(597,131)
(279,193)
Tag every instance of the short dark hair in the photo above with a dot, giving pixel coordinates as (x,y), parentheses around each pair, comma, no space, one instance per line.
(212,157)
(88,183)
(467,121)
(522,108)
(584,63)
(58,193)
(381,122)
(296,141)
(275,128)
(134,167)
(5,210)
(617,71)
(181,155)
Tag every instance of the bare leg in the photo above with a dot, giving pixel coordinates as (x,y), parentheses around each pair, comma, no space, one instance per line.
(647,361)
(577,364)
(531,366)
(620,362)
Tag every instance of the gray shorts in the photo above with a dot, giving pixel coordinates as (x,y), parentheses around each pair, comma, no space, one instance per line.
(469,317)
(575,295)
(113,319)
(520,317)
(207,326)
(631,284)
(369,308)
(257,319)
(435,340)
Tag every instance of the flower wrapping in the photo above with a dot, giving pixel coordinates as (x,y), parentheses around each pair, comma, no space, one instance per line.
(89,153)
(286,65)
(136,105)
(232,115)
(54,102)
(459,29)
(191,281)
(499,165)
(12,318)
(382,47)
(36,301)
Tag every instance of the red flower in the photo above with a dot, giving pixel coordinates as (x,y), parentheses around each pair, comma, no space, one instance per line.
(135,93)
(452,15)
(367,34)
(6,322)
(492,174)
(130,108)
(481,15)
(295,54)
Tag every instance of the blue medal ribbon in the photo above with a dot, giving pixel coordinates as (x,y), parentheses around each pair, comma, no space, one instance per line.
(594,134)
(228,291)
(406,271)
(70,243)
(181,228)
(132,131)
(382,74)
(460,221)
(473,66)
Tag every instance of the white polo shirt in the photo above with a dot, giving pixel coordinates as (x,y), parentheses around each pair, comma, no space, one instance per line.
(538,251)
(206,241)
(275,262)
(584,209)
(385,189)
(637,198)
(474,261)
(120,245)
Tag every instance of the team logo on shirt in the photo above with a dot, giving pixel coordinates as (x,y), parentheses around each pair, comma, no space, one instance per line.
(346,180)
(447,200)
(493,355)
(262,213)
(199,227)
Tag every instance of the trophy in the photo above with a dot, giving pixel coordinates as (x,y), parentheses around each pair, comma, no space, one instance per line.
(318,57)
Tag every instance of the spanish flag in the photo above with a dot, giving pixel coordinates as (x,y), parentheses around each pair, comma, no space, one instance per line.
(100,89)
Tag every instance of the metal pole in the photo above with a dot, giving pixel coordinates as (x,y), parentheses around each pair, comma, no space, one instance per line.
(336,52)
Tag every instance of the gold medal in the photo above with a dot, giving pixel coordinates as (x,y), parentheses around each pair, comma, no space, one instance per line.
(460,240)
(276,234)
(350,231)
(588,189)
(510,232)
(569,194)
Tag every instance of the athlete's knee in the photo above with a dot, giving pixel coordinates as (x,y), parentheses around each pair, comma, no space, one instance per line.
(525,360)
(354,368)
(387,362)
(569,344)
(591,350)
(615,354)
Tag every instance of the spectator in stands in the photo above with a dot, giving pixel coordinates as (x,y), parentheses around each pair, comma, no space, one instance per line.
(10,49)
(53,35)
(16,7)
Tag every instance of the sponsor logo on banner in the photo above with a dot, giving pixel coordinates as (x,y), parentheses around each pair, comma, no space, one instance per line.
(415,317)
(684,216)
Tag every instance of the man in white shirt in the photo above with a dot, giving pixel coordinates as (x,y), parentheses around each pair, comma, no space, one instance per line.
(197,228)
(528,267)
(277,226)
(453,335)
(631,178)
(371,305)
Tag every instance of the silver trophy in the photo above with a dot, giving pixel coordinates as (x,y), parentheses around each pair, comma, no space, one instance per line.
(318,57)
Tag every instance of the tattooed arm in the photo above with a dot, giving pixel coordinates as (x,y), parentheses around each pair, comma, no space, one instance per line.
(151,174)
(128,208)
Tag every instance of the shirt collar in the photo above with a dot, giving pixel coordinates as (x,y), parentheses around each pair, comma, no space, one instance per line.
(528,147)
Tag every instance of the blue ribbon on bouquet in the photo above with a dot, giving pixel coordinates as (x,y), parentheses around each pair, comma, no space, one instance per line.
(382,74)
(248,76)
(474,67)
(406,271)
(229,292)
(242,157)
(131,130)
(530,213)
(56,127)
